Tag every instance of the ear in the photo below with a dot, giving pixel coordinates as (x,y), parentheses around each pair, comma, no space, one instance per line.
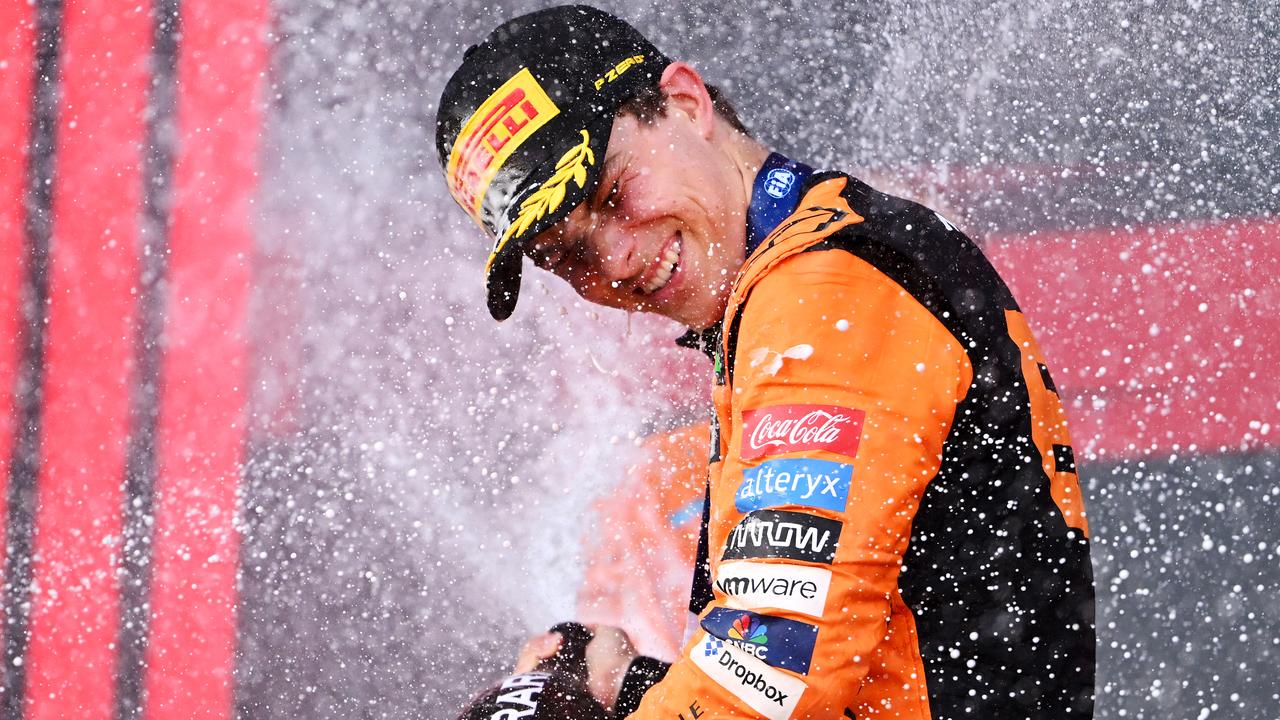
(687,93)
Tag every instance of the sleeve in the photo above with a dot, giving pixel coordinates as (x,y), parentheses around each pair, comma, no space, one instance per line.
(641,675)
(843,393)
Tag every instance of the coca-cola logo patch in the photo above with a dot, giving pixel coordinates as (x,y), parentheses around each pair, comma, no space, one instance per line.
(782,429)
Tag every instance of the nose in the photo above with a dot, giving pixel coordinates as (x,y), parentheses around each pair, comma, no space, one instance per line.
(613,253)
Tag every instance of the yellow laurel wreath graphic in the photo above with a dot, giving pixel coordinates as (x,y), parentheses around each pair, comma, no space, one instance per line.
(571,166)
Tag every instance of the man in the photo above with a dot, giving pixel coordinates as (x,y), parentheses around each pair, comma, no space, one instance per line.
(895,526)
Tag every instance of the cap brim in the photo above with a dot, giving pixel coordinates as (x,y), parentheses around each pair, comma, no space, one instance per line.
(502,286)
(502,283)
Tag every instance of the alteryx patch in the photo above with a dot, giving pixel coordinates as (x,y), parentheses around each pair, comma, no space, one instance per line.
(783,534)
(501,124)
(804,481)
(779,642)
(780,429)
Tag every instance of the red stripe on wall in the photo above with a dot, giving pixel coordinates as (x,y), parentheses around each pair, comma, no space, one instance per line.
(1160,336)
(222,59)
(89,353)
(17,38)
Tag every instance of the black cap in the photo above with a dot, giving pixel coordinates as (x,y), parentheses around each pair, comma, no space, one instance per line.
(524,122)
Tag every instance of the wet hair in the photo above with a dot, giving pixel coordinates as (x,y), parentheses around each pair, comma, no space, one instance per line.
(650,103)
(536,696)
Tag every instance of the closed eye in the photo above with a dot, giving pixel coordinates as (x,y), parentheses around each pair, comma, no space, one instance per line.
(547,258)
(555,255)
(611,176)
(611,199)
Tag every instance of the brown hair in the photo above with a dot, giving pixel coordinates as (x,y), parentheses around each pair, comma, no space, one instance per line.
(650,102)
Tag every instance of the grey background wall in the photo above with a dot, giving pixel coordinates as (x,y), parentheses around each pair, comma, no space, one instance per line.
(420,479)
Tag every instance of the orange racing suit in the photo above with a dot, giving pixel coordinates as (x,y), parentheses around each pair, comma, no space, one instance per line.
(895,526)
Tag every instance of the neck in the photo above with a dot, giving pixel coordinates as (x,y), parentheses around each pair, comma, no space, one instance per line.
(748,156)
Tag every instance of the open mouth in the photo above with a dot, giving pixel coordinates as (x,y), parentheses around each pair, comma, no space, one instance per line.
(663,268)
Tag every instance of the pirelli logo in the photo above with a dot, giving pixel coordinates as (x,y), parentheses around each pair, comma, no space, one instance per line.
(501,124)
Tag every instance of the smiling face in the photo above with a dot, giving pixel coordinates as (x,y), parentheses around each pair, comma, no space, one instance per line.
(665,231)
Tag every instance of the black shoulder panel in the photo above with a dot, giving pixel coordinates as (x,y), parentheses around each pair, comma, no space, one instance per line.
(1001,589)
(941,267)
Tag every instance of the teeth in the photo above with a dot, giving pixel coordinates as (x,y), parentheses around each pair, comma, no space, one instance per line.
(663,274)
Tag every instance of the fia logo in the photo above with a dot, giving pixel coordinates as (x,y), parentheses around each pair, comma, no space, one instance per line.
(779,182)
